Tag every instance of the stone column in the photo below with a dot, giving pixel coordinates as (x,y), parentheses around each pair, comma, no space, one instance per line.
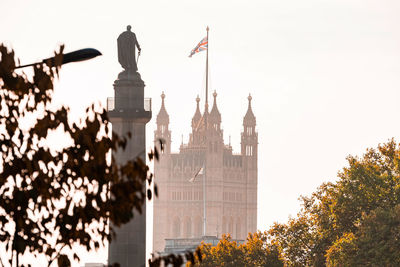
(130,114)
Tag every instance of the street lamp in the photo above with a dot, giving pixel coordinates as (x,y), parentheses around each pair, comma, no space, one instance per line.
(75,56)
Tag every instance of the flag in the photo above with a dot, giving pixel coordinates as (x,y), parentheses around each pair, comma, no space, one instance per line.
(200,47)
(200,171)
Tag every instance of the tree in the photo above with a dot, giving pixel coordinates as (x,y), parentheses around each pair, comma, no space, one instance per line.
(376,243)
(296,239)
(52,199)
(352,222)
(256,251)
(261,250)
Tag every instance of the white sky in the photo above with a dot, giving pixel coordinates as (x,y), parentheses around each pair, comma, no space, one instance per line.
(324,75)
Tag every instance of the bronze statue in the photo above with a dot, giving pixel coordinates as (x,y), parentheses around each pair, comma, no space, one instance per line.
(127,44)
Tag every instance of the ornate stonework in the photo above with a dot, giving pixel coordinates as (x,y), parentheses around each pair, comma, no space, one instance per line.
(231,180)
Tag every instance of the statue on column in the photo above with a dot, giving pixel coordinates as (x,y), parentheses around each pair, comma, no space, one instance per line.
(127,44)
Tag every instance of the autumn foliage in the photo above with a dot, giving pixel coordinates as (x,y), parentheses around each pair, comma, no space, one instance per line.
(256,251)
(354,221)
(52,199)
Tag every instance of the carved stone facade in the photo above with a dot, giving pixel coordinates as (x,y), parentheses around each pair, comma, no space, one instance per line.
(230,180)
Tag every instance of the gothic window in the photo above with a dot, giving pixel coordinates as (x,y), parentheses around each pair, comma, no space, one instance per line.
(224,225)
(249,150)
(216,147)
(176,228)
(198,231)
(187,228)
(162,129)
(249,130)
(238,230)
(230,226)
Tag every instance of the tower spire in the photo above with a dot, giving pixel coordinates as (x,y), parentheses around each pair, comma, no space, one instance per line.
(197,115)
(162,122)
(249,118)
(214,110)
(215,116)
(162,117)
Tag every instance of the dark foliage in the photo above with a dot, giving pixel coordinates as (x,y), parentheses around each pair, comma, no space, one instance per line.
(53,199)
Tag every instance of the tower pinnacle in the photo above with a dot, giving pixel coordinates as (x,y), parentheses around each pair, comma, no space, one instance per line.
(197,115)
(162,117)
(249,118)
(215,116)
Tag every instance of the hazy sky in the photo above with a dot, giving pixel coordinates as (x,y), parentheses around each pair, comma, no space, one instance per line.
(324,75)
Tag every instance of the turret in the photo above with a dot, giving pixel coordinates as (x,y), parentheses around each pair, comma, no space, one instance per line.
(215,116)
(198,120)
(163,131)
(249,153)
(197,115)
(249,135)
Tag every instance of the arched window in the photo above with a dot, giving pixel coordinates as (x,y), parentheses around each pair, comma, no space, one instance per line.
(187,227)
(249,150)
(224,226)
(238,229)
(176,228)
(230,227)
(198,227)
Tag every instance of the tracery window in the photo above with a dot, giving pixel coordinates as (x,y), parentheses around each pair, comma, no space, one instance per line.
(176,228)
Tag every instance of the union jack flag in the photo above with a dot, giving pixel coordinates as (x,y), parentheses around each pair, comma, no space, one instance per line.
(200,171)
(203,45)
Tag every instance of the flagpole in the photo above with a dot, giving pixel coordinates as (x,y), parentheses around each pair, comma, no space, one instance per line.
(204,199)
(208,46)
(206,131)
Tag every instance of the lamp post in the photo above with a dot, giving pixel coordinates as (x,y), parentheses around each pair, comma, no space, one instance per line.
(75,56)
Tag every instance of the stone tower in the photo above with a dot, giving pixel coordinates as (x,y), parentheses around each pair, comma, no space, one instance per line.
(129,111)
(230,184)
(249,149)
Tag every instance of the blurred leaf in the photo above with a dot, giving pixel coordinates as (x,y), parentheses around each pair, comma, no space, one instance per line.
(44,209)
